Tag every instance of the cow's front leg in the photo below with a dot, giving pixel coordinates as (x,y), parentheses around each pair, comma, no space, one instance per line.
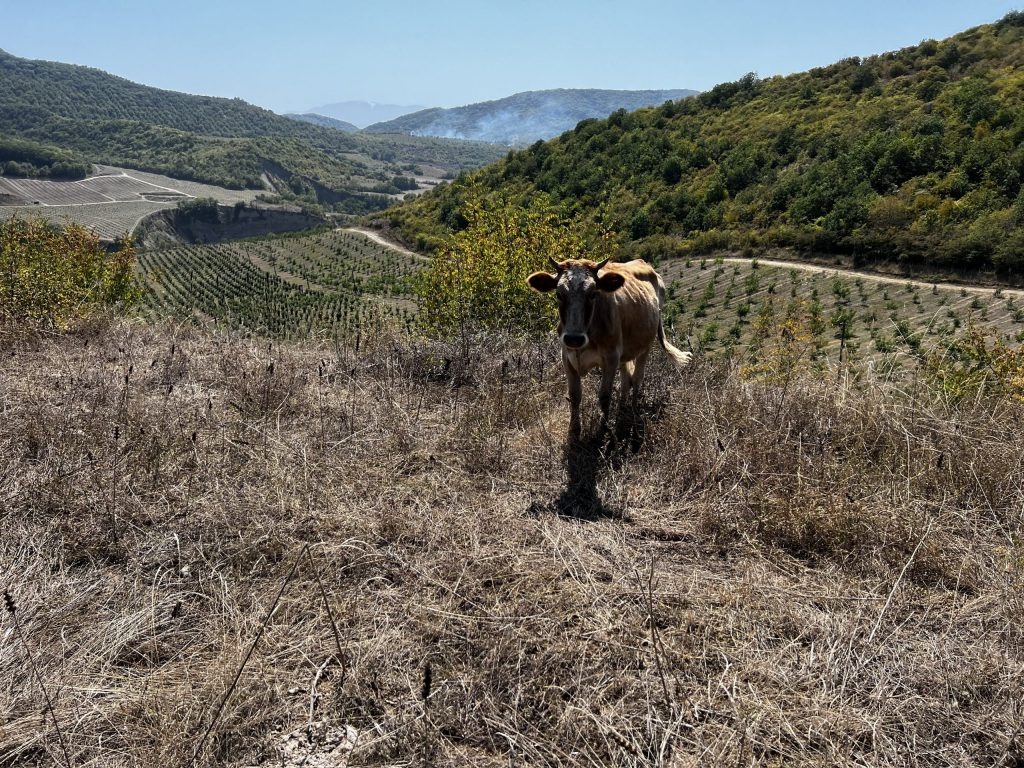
(604,395)
(625,381)
(575,396)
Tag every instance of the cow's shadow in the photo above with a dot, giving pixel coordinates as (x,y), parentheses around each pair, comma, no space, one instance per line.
(604,446)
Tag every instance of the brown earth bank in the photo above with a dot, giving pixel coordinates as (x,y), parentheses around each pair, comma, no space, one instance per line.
(168,228)
(221,551)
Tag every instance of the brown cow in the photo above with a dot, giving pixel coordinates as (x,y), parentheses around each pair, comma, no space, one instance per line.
(608,316)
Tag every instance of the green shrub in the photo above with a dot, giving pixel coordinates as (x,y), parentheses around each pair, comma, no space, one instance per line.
(58,275)
(477,280)
(975,365)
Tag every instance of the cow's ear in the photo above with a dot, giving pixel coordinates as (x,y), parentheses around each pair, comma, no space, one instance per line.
(542,282)
(610,281)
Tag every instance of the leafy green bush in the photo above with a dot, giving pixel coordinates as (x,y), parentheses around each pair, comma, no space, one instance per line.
(57,275)
(975,365)
(477,280)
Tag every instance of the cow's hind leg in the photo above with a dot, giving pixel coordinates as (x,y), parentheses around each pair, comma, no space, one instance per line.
(639,368)
(625,381)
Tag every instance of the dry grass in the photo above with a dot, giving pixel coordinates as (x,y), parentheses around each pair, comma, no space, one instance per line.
(731,577)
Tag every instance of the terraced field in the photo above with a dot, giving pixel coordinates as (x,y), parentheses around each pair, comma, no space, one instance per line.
(719,304)
(111,203)
(285,287)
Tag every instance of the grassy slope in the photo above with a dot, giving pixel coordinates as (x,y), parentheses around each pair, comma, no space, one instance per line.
(911,155)
(805,574)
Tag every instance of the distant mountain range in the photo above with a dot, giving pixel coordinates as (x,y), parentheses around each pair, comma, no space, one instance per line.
(524,117)
(362,113)
(322,120)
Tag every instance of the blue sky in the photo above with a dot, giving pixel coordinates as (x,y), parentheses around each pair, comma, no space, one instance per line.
(298,54)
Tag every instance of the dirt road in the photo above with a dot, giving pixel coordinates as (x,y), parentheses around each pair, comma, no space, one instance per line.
(804,267)
(377,238)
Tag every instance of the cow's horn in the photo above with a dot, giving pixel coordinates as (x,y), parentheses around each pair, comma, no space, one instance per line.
(555,264)
(602,264)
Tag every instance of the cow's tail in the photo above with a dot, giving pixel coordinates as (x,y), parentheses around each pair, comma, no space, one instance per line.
(679,357)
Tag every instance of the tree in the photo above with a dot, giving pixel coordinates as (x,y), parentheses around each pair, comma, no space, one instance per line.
(58,275)
(477,280)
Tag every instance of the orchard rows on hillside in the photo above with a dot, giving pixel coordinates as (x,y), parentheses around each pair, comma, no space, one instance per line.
(284,287)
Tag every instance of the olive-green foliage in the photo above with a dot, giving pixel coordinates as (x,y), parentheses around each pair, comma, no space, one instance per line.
(977,364)
(477,280)
(910,155)
(57,275)
(33,160)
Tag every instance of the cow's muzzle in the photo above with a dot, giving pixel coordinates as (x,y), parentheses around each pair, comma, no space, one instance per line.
(574,340)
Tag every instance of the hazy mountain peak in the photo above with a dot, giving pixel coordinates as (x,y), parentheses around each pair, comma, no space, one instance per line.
(525,117)
(323,120)
(363,113)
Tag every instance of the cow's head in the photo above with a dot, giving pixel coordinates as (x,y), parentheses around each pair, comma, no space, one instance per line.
(577,285)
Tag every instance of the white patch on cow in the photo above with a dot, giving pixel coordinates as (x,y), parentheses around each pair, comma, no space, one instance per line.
(577,279)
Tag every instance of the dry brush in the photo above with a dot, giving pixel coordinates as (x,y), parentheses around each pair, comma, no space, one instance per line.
(214,544)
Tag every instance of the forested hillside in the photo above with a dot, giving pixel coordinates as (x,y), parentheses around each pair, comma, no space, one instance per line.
(323,121)
(85,93)
(914,155)
(229,142)
(39,161)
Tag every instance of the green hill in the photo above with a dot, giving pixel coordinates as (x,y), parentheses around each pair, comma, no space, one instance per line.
(323,120)
(223,141)
(84,93)
(910,156)
(33,160)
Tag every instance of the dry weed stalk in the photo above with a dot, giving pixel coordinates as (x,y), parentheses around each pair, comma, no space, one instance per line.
(11,609)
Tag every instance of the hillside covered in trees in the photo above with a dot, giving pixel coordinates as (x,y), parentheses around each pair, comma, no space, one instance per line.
(912,156)
(322,120)
(107,119)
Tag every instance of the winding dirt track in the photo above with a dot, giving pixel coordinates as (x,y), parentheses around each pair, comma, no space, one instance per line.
(377,238)
(802,266)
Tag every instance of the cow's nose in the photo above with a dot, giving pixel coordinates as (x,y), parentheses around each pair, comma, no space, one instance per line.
(574,340)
